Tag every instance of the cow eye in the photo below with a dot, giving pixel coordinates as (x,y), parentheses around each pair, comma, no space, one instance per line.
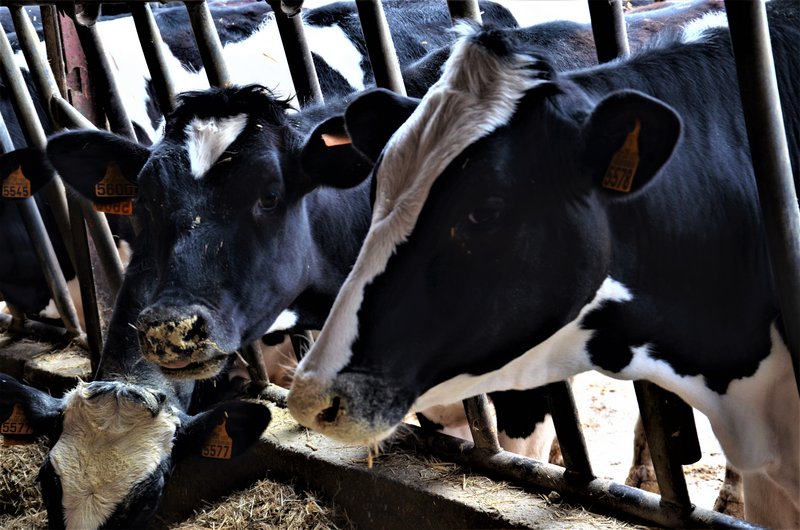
(487,212)
(268,201)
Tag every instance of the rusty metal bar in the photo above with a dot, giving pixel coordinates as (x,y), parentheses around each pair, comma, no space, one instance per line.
(67,115)
(665,429)
(298,55)
(106,85)
(770,155)
(152,48)
(468,9)
(481,424)
(568,428)
(608,28)
(380,47)
(601,495)
(208,43)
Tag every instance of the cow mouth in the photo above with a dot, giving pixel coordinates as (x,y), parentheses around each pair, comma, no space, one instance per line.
(194,369)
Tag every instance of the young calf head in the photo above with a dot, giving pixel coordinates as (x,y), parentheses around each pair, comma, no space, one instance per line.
(114,445)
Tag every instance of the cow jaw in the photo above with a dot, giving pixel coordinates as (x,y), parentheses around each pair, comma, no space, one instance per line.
(110,442)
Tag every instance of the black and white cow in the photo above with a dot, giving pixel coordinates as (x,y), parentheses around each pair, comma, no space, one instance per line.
(530,225)
(114,441)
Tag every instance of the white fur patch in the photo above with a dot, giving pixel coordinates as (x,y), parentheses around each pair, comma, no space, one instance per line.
(286,320)
(74,288)
(207,139)
(696,29)
(477,93)
(106,447)
(562,355)
(338,51)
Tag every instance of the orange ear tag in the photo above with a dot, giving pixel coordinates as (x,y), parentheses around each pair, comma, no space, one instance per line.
(331,140)
(16,430)
(16,185)
(219,444)
(620,172)
(117,208)
(114,183)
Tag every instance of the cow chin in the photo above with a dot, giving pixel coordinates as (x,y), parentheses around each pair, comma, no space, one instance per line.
(353,409)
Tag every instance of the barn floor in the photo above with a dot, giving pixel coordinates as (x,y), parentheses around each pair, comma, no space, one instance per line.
(607,409)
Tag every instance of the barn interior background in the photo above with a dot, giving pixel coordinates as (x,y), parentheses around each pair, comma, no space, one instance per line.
(425,479)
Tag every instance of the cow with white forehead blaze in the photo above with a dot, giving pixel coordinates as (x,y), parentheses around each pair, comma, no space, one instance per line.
(530,225)
(114,441)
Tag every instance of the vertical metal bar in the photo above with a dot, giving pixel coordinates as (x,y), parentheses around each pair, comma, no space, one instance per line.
(608,28)
(662,440)
(770,155)
(255,365)
(380,47)
(50,266)
(468,9)
(91,314)
(105,247)
(208,43)
(568,428)
(152,48)
(106,85)
(34,133)
(298,56)
(480,424)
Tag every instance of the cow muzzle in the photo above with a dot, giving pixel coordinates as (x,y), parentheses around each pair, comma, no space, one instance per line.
(181,341)
(352,408)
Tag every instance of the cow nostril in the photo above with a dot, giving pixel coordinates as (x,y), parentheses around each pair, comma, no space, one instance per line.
(330,414)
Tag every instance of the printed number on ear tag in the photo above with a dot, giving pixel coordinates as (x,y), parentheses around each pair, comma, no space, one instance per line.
(114,183)
(219,443)
(620,172)
(117,208)
(16,185)
(16,430)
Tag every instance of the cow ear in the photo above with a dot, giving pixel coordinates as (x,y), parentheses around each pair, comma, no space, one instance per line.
(25,410)
(329,158)
(23,172)
(373,117)
(224,432)
(628,139)
(100,166)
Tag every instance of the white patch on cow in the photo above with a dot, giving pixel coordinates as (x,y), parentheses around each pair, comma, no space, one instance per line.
(74,289)
(477,93)
(331,43)
(697,29)
(207,139)
(537,445)
(108,444)
(529,13)
(124,251)
(559,357)
(286,320)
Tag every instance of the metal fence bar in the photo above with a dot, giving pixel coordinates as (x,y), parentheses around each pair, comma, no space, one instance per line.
(298,55)
(608,28)
(31,128)
(602,495)
(770,155)
(480,424)
(208,43)
(468,9)
(568,428)
(28,210)
(380,47)
(152,48)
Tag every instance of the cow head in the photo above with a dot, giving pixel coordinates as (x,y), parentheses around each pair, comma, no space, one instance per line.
(224,229)
(489,201)
(114,444)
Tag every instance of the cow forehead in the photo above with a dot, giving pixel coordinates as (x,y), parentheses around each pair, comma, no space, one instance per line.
(208,138)
(478,92)
(108,444)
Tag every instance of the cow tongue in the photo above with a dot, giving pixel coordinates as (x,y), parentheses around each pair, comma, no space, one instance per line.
(176,365)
